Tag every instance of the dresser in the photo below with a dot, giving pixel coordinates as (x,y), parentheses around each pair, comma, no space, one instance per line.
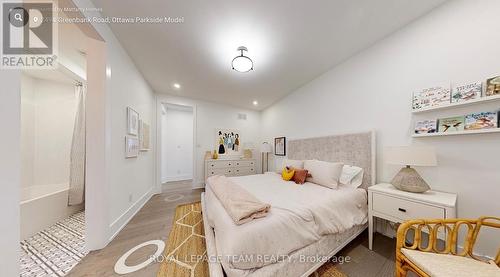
(230,167)
(387,202)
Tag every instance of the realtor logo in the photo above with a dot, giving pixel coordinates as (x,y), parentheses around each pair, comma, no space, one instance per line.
(28,32)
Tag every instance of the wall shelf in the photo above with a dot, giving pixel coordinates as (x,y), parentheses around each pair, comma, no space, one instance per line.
(484,99)
(483,131)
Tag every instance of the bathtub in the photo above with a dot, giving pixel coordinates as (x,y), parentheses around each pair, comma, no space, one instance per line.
(43,206)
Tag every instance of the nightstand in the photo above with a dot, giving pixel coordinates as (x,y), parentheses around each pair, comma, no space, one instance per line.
(387,202)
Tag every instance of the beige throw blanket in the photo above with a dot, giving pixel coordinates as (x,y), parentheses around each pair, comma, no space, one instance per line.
(241,205)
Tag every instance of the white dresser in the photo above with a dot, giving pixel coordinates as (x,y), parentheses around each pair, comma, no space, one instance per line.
(230,167)
(387,202)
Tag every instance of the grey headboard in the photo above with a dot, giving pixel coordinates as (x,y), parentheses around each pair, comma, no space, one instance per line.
(355,149)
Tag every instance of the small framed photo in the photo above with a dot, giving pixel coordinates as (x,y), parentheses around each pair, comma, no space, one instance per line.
(132,122)
(280,146)
(131,147)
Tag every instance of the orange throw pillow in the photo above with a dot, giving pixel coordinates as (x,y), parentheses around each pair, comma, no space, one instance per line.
(300,176)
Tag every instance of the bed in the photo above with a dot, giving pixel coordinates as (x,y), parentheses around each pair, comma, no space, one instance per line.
(307,224)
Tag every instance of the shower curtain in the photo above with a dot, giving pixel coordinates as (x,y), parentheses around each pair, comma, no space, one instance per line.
(77,157)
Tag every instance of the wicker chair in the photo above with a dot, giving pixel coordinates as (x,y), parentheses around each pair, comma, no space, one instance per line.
(436,258)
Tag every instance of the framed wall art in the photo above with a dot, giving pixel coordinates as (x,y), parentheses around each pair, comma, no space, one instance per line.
(132,122)
(131,147)
(280,146)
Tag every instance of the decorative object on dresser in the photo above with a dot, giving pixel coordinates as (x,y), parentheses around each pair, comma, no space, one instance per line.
(493,86)
(389,203)
(208,155)
(247,150)
(265,149)
(407,178)
(230,167)
(466,92)
(428,258)
(280,146)
(451,124)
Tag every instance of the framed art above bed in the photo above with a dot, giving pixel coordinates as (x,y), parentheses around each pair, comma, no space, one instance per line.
(280,146)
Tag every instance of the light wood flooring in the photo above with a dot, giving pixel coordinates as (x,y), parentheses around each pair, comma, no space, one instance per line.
(154,221)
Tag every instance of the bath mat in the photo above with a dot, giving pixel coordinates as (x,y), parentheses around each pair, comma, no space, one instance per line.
(187,238)
(55,250)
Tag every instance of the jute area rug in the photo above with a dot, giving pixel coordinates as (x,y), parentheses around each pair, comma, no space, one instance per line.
(187,240)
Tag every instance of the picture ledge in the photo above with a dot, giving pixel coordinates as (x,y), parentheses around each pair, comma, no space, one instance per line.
(471,132)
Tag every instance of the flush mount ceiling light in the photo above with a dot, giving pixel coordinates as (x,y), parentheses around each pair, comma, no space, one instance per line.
(242,63)
(177,85)
(255,103)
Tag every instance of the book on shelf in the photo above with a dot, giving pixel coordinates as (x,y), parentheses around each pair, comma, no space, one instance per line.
(466,92)
(451,124)
(431,97)
(493,86)
(426,127)
(481,120)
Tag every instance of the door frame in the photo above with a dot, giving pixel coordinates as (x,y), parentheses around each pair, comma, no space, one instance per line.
(159,103)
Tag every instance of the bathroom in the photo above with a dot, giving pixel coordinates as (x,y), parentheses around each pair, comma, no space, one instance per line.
(52,220)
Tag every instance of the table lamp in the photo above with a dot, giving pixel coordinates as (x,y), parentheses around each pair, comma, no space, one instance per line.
(408,178)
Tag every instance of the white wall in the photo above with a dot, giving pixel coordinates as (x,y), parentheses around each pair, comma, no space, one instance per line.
(177,144)
(372,90)
(210,116)
(10,171)
(47,118)
(128,183)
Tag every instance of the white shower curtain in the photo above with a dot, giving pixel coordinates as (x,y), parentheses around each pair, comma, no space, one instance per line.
(77,161)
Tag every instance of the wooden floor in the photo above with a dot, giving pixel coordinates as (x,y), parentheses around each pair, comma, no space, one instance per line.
(154,221)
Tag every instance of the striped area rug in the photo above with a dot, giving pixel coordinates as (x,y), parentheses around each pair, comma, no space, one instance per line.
(55,250)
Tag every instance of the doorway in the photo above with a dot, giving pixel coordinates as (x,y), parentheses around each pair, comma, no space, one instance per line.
(177,146)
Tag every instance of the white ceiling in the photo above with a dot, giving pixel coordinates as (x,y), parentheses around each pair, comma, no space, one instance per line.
(290,41)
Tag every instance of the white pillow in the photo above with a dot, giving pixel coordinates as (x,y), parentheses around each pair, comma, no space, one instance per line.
(290,163)
(351,176)
(323,173)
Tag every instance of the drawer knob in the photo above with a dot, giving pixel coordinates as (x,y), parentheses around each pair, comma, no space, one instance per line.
(402,210)
(212,165)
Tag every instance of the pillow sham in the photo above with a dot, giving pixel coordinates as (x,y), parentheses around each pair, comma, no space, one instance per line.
(324,173)
(351,176)
(296,164)
(300,176)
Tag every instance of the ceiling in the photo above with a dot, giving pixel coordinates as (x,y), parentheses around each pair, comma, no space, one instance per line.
(290,41)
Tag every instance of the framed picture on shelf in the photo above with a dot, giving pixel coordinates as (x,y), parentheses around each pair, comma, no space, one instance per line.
(131,147)
(280,146)
(482,120)
(431,97)
(493,86)
(451,124)
(132,122)
(426,127)
(465,92)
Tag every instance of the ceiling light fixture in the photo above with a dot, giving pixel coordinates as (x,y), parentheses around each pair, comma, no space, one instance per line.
(177,86)
(242,63)
(255,103)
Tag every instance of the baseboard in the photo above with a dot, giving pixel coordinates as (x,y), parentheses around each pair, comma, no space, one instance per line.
(177,178)
(123,219)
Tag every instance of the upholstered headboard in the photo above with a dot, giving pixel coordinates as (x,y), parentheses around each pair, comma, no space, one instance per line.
(354,149)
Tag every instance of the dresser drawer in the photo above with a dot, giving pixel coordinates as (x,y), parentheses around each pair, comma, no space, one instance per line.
(244,163)
(240,171)
(404,209)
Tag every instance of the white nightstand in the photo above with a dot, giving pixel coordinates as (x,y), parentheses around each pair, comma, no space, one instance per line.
(387,202)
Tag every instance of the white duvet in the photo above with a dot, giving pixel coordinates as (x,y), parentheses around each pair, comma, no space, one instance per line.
(299,215)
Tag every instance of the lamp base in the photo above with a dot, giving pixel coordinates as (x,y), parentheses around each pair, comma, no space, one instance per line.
(408,179)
